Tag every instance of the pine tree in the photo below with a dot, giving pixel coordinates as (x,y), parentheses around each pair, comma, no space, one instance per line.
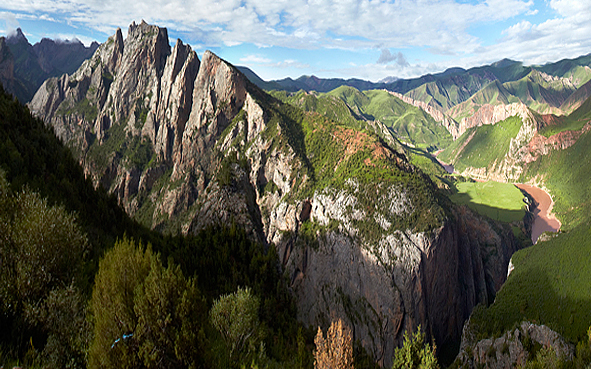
(414,353)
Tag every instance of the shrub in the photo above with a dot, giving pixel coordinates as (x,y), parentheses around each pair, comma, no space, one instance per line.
(235,316)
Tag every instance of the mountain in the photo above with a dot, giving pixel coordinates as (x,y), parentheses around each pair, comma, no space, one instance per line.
(406,122)
(310,83)
(361,234)
(459,93)
(30,65)
(7,77)
(575,100)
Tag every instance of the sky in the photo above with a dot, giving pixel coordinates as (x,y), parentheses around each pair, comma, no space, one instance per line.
(367,39)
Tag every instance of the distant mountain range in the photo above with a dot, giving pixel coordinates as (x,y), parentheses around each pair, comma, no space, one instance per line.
(461,92)
(24,67)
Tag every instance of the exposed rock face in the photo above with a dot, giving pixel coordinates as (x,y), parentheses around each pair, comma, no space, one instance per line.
(433,279)
(184,144)
(491,114)
(7,79)
(508,351)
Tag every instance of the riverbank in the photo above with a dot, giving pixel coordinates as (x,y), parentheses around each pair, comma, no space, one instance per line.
(544,220)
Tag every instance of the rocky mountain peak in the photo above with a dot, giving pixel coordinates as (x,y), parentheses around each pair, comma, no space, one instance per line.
(18,37)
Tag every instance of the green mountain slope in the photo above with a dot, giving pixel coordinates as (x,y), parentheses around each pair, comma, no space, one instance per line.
(480,147)
(573,122)
(348,105)
(494,93)
(541,93)
(577,98)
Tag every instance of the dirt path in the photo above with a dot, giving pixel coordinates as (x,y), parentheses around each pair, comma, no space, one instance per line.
(544,220)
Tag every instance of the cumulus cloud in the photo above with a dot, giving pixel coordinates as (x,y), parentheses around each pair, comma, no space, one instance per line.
(293,23)
(442,27)
(10,22)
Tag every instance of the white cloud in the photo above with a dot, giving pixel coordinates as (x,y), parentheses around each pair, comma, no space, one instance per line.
(295,23)
(10,22)
(442,27)
(387,57)
(255,59)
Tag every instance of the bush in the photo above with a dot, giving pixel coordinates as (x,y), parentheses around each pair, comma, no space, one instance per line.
(41,253)
(336,351)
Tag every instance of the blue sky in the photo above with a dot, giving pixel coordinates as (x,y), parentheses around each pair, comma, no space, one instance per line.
(368,39)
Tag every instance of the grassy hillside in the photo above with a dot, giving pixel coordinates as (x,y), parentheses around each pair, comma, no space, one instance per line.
(409,123)
(352,107)
(577,68)
(539,94)
(479,147)
(494,94)
(573,122)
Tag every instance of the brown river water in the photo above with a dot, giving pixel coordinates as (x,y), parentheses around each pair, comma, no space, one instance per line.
(544,220)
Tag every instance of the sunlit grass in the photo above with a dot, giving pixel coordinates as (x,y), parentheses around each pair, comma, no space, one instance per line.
(499,201)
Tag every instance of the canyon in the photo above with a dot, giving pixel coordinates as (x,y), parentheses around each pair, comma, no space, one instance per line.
(185,143)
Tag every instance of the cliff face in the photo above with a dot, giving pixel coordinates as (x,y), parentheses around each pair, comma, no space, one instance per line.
(185,143)
(434,278)
(491,114)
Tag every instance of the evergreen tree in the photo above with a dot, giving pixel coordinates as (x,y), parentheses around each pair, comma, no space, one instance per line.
(42,250)
(145,315)
(415,353)
(236,317)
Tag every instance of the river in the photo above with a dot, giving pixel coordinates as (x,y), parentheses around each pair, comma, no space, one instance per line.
(544,220)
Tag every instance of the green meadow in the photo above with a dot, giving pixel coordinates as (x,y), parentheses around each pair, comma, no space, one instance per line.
(499,201)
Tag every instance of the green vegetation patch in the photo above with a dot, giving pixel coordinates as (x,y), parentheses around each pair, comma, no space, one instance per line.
(499,201)
(480,147)
(82,107)
(550,285)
